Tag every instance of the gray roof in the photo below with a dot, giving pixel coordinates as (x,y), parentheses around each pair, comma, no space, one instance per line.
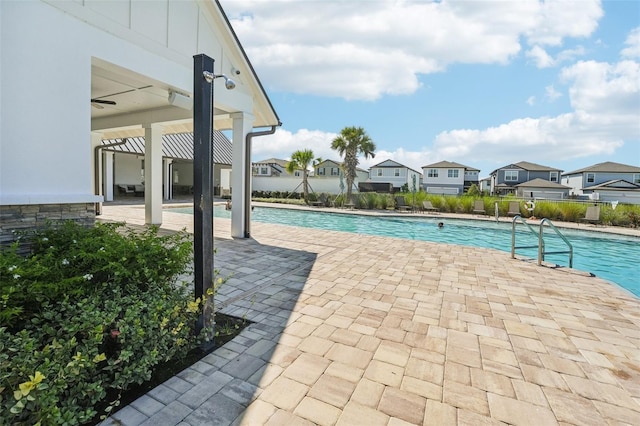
(449,164)
(393,164)
(541,183)
(532,167)
(177,145)
(616,184)
(607,167)
(278,161)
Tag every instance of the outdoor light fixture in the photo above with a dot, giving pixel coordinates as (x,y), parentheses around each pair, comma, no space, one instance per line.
(228,83)
(179,100)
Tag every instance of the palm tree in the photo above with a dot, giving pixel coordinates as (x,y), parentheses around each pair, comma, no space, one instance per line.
(300,160)
(351,142)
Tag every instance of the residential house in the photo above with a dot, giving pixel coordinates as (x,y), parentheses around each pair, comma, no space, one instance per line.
(606,181)
(272,167)
(396,174)
(124,164)
(484,184)
(540,188)
(272,175)
(505,179)
(447,177)
(130,72)
(328,176)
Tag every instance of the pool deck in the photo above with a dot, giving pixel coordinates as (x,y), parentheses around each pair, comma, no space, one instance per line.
(361,330)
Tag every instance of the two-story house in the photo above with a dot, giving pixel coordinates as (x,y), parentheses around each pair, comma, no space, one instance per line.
(447,177)
(606,181)
(505,179)
(395,174)
(272,167)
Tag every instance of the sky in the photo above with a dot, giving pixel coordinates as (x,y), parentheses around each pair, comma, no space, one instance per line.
(481,83)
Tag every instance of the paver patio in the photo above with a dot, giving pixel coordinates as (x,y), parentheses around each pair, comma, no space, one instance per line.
(362,330)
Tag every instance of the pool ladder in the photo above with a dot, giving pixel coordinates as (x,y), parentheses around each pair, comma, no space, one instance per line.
(540,234)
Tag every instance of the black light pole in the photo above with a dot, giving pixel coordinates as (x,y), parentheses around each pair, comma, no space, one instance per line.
(203,193)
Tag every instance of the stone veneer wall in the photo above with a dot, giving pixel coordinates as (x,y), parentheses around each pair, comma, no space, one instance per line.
(20,218)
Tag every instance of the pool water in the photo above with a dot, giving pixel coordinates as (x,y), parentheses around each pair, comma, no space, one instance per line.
(612,257)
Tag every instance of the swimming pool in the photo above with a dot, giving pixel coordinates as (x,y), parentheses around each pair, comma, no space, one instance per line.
(612,257)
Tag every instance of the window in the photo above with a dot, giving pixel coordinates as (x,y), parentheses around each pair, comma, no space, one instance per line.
(433,173)
(553,176)
(297,173)
(591,177)
(264,171)
(379,172)
(396,172)
(636,178)
(511,175)
(335,171)
(321,171)
(452,173)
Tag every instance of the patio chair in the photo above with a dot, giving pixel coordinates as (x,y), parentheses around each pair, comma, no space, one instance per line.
(478,207)
(401,204)
(514,208)
(592,215)
(320,202)
(126,189)
(352,202)
(427,206)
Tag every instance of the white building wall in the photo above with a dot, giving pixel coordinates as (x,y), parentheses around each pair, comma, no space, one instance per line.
(574,182)
(48,73)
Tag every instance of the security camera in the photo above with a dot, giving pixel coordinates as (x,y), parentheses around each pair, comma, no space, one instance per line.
(235,71)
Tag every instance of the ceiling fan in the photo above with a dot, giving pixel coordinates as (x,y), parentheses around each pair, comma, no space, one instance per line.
(97,103)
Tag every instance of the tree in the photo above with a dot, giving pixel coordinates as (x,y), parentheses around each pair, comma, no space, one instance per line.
(300,160)
(351,142)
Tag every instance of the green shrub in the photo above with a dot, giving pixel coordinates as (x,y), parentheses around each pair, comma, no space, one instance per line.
(370,200)
(108,315)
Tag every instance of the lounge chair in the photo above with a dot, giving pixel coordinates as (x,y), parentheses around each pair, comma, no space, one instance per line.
(126,189)
(401,204)
(514,208)
(478,207)
(592,215)
(428,207)
(352,202)
(320,202)
(138,190)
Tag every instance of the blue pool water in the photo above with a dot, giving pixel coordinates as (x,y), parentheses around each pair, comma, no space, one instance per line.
(612,257)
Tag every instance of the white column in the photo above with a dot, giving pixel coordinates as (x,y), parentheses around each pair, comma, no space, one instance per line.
(242,125)
(168,179)
(107,175)
(153,174)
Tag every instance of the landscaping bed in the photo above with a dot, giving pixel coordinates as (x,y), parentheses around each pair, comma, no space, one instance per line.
(88,315)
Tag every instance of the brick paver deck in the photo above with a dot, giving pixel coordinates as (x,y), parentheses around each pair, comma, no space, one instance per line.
(361,330)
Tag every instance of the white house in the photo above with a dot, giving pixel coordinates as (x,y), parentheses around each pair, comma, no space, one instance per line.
(396,174)
(606,181)
(447,177)
(73,73)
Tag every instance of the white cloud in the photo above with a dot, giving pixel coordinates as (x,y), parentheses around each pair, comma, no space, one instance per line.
(606,102)
(541,58)
(531,100)
(551,93)
(633,45)
(342,49)
(283,143)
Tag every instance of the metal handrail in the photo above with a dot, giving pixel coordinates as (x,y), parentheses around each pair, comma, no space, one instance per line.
(513,235)
(540,234)
(542,252)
